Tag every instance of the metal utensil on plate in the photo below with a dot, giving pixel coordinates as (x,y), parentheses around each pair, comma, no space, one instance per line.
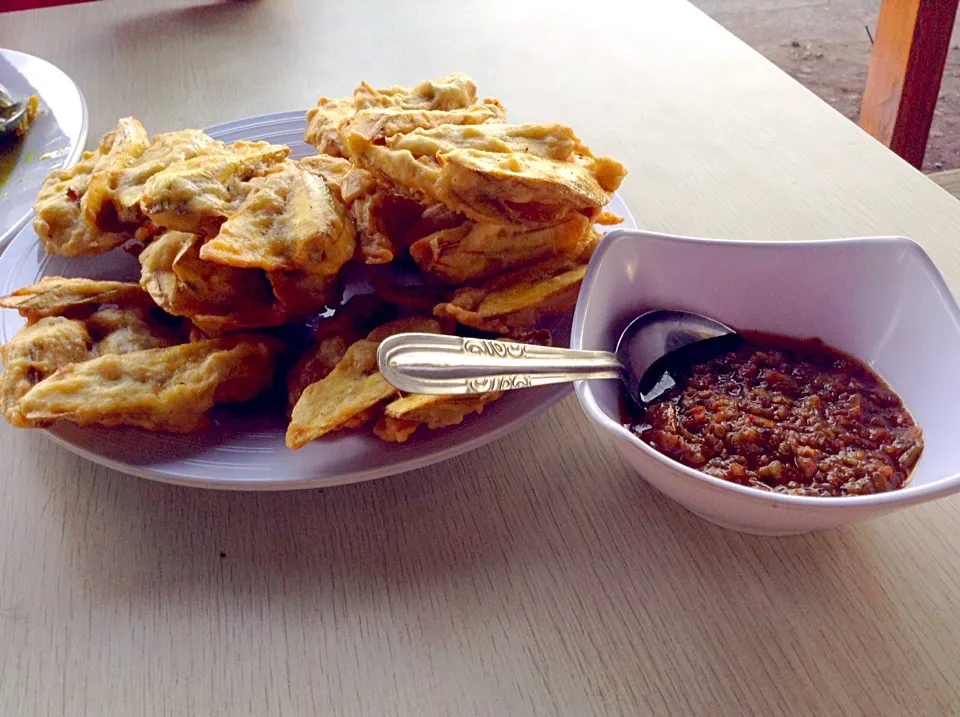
(12,112)
(649,346)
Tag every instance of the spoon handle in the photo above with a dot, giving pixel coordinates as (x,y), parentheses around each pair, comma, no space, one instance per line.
(451,365)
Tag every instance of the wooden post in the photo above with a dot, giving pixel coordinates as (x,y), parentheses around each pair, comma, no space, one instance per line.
(906,67)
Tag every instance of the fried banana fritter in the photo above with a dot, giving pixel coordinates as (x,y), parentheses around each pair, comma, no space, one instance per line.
(129,141)
(511,303)
(36,352)
(165,151)
(446,100)
(517,188)
(352,388)
(550,141)
(74,320)
(453,91)
(524,175)
(342,176)
(489,226)
(373,126)
(290,222)
(123,330)
(350,394)
(166,389)
(381,217)
(403,416)
(216,298)
(334,334)
(198,195)
(518,309)
(324,121)
(475,251)
(60,221)
(56,296)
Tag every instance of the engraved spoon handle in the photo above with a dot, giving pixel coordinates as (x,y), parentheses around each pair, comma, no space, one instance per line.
(451,365)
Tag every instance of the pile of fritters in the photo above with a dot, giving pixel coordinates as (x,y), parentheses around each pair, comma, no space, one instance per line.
(489,225)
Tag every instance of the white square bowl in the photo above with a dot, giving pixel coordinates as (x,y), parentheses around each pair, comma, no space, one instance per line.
(880,299)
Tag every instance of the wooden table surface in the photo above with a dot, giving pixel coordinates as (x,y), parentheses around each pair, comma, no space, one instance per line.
(537,575)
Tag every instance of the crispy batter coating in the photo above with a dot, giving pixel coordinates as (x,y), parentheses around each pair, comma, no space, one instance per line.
(166,150)
(350,394)
(453,91)
(130,141)
(550,141)
(373,126)
(166,389)
(475,251)
(123,330)
(381,217)
(290,222)
(511,303)
(342,176)
(517,308)
(403,416)
(608,218)
(350,323)
(56,296)
(216,298)
(525,175)
(413,160)
(509,312)
(314,366)
(353,387)
(36,352)
(326,120)
(197,195)
(517,188)
(59,222)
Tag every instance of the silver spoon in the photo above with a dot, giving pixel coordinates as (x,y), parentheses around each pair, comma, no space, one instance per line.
(12,112)
(654,347)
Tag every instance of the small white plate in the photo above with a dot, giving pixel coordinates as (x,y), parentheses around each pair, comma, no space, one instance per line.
(880,299)
(243,450)
(55,138)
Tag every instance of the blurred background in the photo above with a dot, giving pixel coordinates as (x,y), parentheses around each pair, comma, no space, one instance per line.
(825,45)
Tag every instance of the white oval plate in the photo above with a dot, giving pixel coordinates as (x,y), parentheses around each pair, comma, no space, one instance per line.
(243,450)
(55,138)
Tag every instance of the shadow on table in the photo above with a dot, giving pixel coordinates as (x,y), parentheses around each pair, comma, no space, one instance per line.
(203,16)
(581,544)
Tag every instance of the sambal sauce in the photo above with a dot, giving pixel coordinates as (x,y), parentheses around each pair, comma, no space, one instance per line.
(785,415)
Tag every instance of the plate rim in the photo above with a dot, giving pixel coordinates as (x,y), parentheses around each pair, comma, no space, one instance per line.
(269,485)
(72,158)
(552,395)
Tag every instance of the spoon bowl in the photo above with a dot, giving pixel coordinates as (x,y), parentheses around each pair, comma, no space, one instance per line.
(658,344)
(12,113)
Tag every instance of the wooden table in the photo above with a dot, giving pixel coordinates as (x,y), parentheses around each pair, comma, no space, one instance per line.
(537,575)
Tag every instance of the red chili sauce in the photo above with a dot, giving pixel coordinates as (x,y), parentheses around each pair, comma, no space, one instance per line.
(788,416)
